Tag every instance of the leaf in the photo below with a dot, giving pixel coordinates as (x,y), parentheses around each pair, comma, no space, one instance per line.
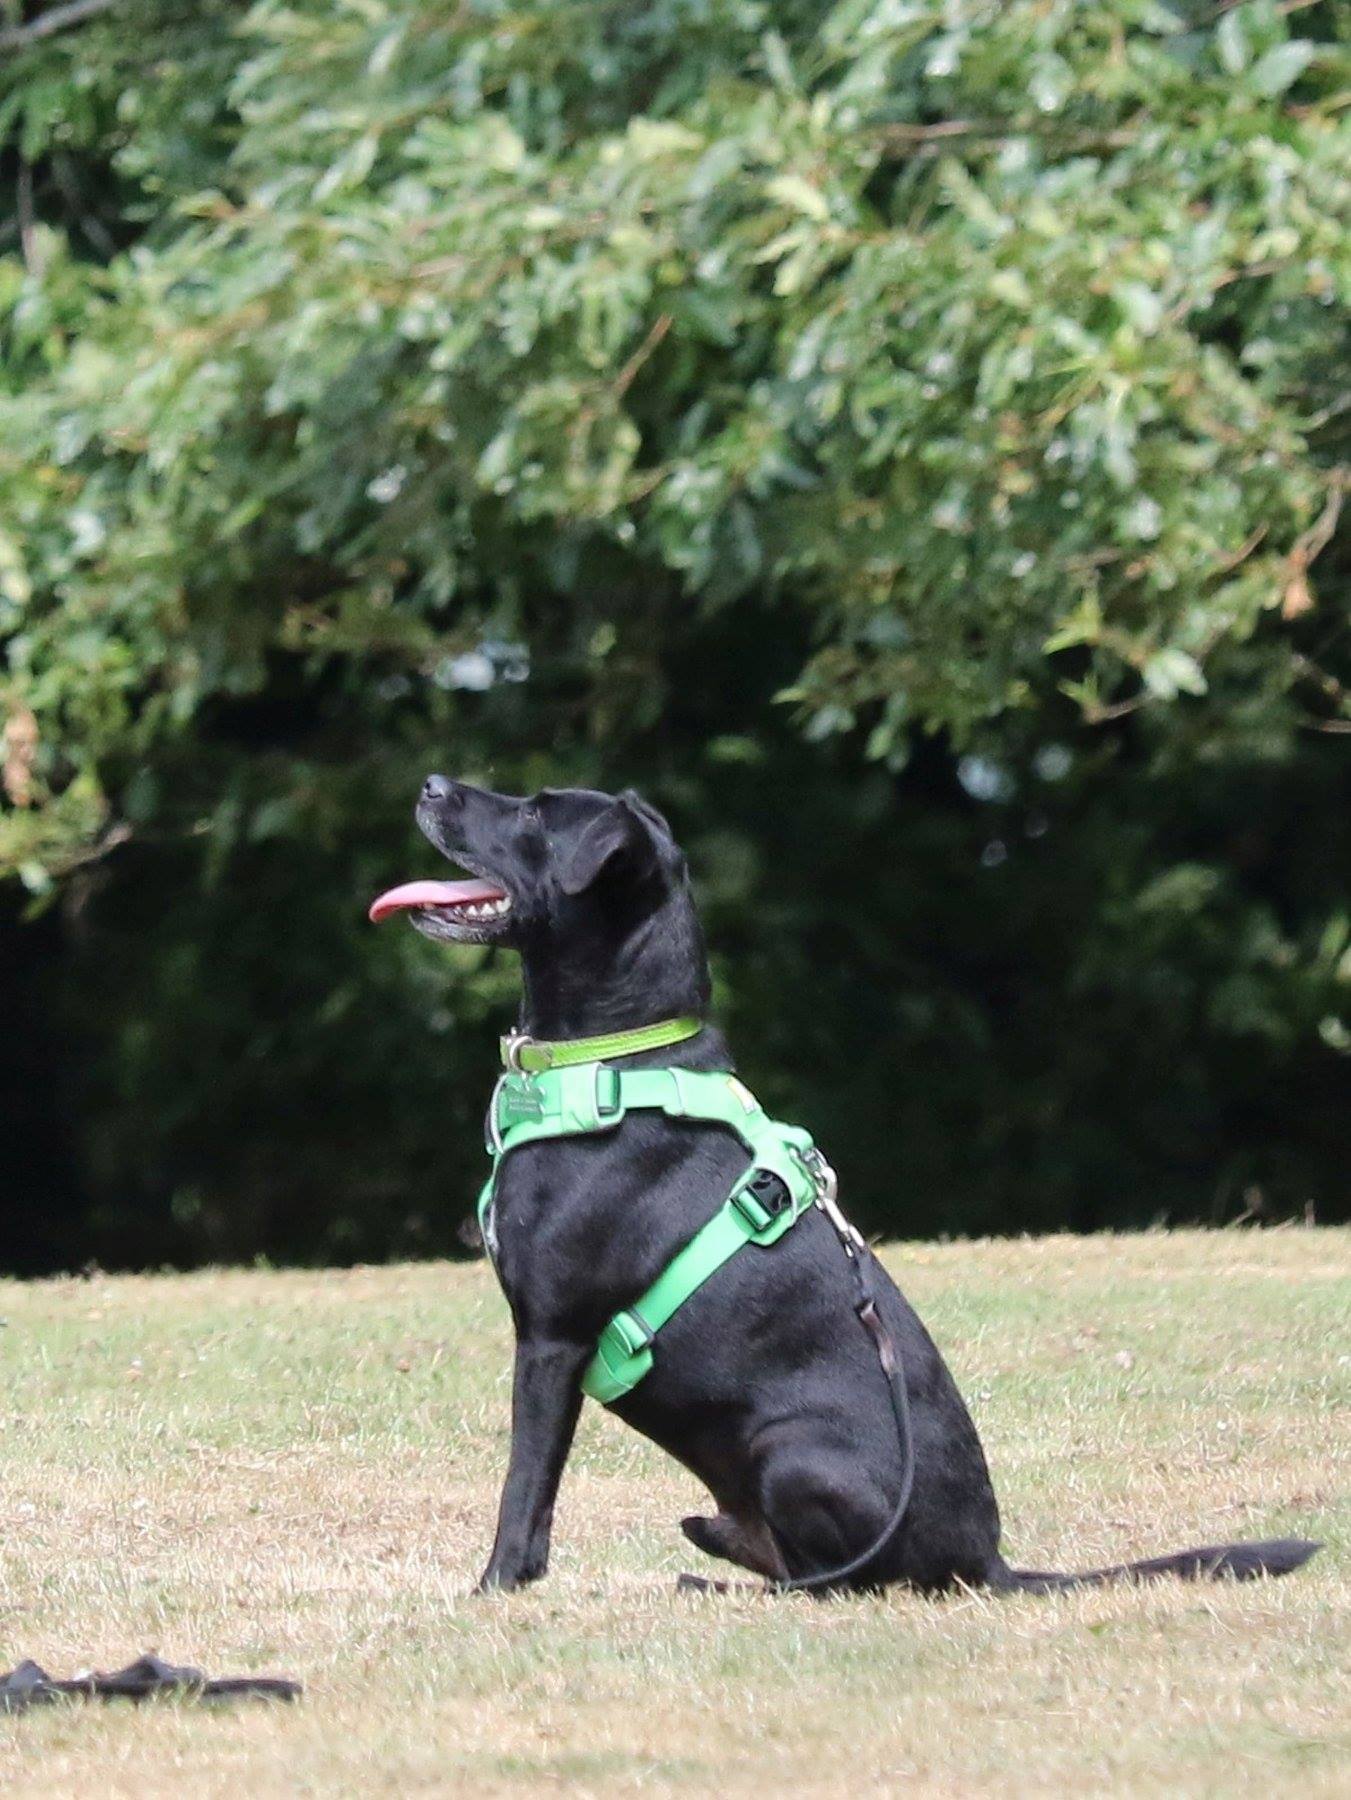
(663,137)
(1084,626)
(1143,518)
(1010,285)
(1231,43)
(1119,461)
(382,57)
(1141,305)
(799,195)
(778,64)
(1169,672)
(970,199)
(1281,67)
(1051,84)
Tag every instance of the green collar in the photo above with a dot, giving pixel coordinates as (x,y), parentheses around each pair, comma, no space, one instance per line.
(525,1053)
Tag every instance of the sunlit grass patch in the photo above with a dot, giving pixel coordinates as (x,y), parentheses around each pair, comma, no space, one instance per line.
(298,1472)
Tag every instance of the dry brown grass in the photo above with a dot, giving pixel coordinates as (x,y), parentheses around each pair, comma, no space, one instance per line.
(298,1472)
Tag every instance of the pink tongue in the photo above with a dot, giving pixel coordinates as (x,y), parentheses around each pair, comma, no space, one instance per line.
(433,893)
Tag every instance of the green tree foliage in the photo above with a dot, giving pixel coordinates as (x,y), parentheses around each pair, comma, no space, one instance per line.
(907,435)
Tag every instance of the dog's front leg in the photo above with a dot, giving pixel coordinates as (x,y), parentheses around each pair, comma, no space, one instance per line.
(546,1397)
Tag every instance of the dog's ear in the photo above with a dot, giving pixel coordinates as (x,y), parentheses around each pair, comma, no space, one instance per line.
(618,839)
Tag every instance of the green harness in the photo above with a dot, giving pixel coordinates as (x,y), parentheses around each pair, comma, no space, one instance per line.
(564,1090)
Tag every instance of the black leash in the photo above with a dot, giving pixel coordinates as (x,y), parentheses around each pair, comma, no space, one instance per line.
(860,1259)
(866,1307)
(854,1247)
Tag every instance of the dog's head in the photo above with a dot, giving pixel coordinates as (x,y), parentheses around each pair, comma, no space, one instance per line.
(585,885)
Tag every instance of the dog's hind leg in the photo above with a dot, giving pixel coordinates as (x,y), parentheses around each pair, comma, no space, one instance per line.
(823,1511)
(747,1542)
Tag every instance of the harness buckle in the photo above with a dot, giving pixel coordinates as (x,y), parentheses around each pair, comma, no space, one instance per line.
(606,1084)
(761,1198)
(512,1045)
(633,1331)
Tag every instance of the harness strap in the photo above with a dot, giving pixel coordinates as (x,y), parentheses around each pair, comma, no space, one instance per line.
(624,1353)
(784,1178)
(594,1097)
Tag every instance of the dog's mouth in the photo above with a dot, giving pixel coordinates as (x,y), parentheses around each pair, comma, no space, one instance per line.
(458,912)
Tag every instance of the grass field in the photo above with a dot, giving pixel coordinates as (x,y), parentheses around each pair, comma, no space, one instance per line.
(297,1472)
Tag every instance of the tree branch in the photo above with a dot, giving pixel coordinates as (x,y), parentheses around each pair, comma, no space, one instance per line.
(60,18)
(1315,540)
(28,242)
(902,135)
(1117,709)
(624,380)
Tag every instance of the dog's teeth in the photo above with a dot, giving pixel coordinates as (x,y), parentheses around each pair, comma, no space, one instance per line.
(485,909)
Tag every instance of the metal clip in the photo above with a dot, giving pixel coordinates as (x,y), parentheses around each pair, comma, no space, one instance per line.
(827,1182)
(512,1045)
(827,1187)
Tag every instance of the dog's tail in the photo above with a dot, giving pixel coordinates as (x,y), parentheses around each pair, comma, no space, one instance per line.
(1213,1562)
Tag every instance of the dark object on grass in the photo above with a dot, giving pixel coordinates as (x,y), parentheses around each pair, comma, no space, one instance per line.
(29,1685)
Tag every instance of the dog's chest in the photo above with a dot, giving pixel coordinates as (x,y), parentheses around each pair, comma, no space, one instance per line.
(561,1231)
(579,1228)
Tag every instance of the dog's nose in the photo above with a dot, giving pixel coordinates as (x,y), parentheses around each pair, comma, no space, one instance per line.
(436,787)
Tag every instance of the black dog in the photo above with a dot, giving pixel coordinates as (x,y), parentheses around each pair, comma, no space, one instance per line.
(765,1385)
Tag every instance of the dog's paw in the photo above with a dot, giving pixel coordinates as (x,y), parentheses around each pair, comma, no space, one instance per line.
(703,1533)
(502,1581)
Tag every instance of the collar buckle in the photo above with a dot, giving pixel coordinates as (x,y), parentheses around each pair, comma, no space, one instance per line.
(512,1045)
